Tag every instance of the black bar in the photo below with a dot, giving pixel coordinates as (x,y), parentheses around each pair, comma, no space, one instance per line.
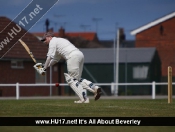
(87,121)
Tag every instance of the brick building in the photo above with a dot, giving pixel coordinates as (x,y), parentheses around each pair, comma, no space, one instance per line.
(160,34)
(17,66)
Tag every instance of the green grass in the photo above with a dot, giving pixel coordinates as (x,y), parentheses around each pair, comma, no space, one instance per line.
(105,108)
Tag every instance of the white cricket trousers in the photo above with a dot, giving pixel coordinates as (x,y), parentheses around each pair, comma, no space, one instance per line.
(75,64)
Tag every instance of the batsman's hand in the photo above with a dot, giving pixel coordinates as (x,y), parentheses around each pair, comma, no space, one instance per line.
(42,71)
(39,68)
(39,65)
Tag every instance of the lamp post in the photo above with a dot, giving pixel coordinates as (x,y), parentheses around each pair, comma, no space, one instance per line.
(117,63)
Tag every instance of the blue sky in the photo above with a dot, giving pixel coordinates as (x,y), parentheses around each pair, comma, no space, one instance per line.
(128,14)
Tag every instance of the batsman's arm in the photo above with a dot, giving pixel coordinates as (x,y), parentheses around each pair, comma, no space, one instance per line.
(47,62)
(51,61)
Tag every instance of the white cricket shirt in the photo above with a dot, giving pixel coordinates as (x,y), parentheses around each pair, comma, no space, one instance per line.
(60,47)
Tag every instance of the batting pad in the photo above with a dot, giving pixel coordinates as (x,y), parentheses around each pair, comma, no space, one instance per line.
(74,84)
(87,85)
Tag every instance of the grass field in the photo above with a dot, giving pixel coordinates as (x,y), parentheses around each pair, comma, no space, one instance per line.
(105,108)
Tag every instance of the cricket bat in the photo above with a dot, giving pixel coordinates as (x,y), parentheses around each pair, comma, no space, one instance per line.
(29,52)
(27,49)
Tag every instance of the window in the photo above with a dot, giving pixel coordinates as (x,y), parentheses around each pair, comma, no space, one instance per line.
(140,72)
(17,64)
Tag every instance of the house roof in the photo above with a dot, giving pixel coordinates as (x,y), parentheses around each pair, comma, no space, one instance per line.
(41,34)
(153,23)
(85,35)
(130,55)
(125,43)
(18,52)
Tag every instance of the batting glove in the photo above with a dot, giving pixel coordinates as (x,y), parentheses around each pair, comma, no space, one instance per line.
(39,68)
(42,71)
(38,65)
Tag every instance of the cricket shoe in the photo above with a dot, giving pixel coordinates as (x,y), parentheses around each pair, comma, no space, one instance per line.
(97,92)
(79,101)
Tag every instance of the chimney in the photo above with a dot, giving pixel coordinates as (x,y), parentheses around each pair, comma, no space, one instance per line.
(47,25)
(122,35)
(61,32)
(51,30)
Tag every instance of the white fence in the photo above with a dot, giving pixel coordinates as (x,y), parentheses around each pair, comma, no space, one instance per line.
(113,86)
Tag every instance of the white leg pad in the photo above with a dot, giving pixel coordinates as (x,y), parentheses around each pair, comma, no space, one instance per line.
(87,85)
(77,88)
(91,87)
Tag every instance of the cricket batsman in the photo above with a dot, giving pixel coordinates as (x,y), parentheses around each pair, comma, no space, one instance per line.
(62,48)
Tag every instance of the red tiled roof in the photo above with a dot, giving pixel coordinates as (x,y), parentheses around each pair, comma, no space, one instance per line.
(85,35)
(40,34)
(38,49)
